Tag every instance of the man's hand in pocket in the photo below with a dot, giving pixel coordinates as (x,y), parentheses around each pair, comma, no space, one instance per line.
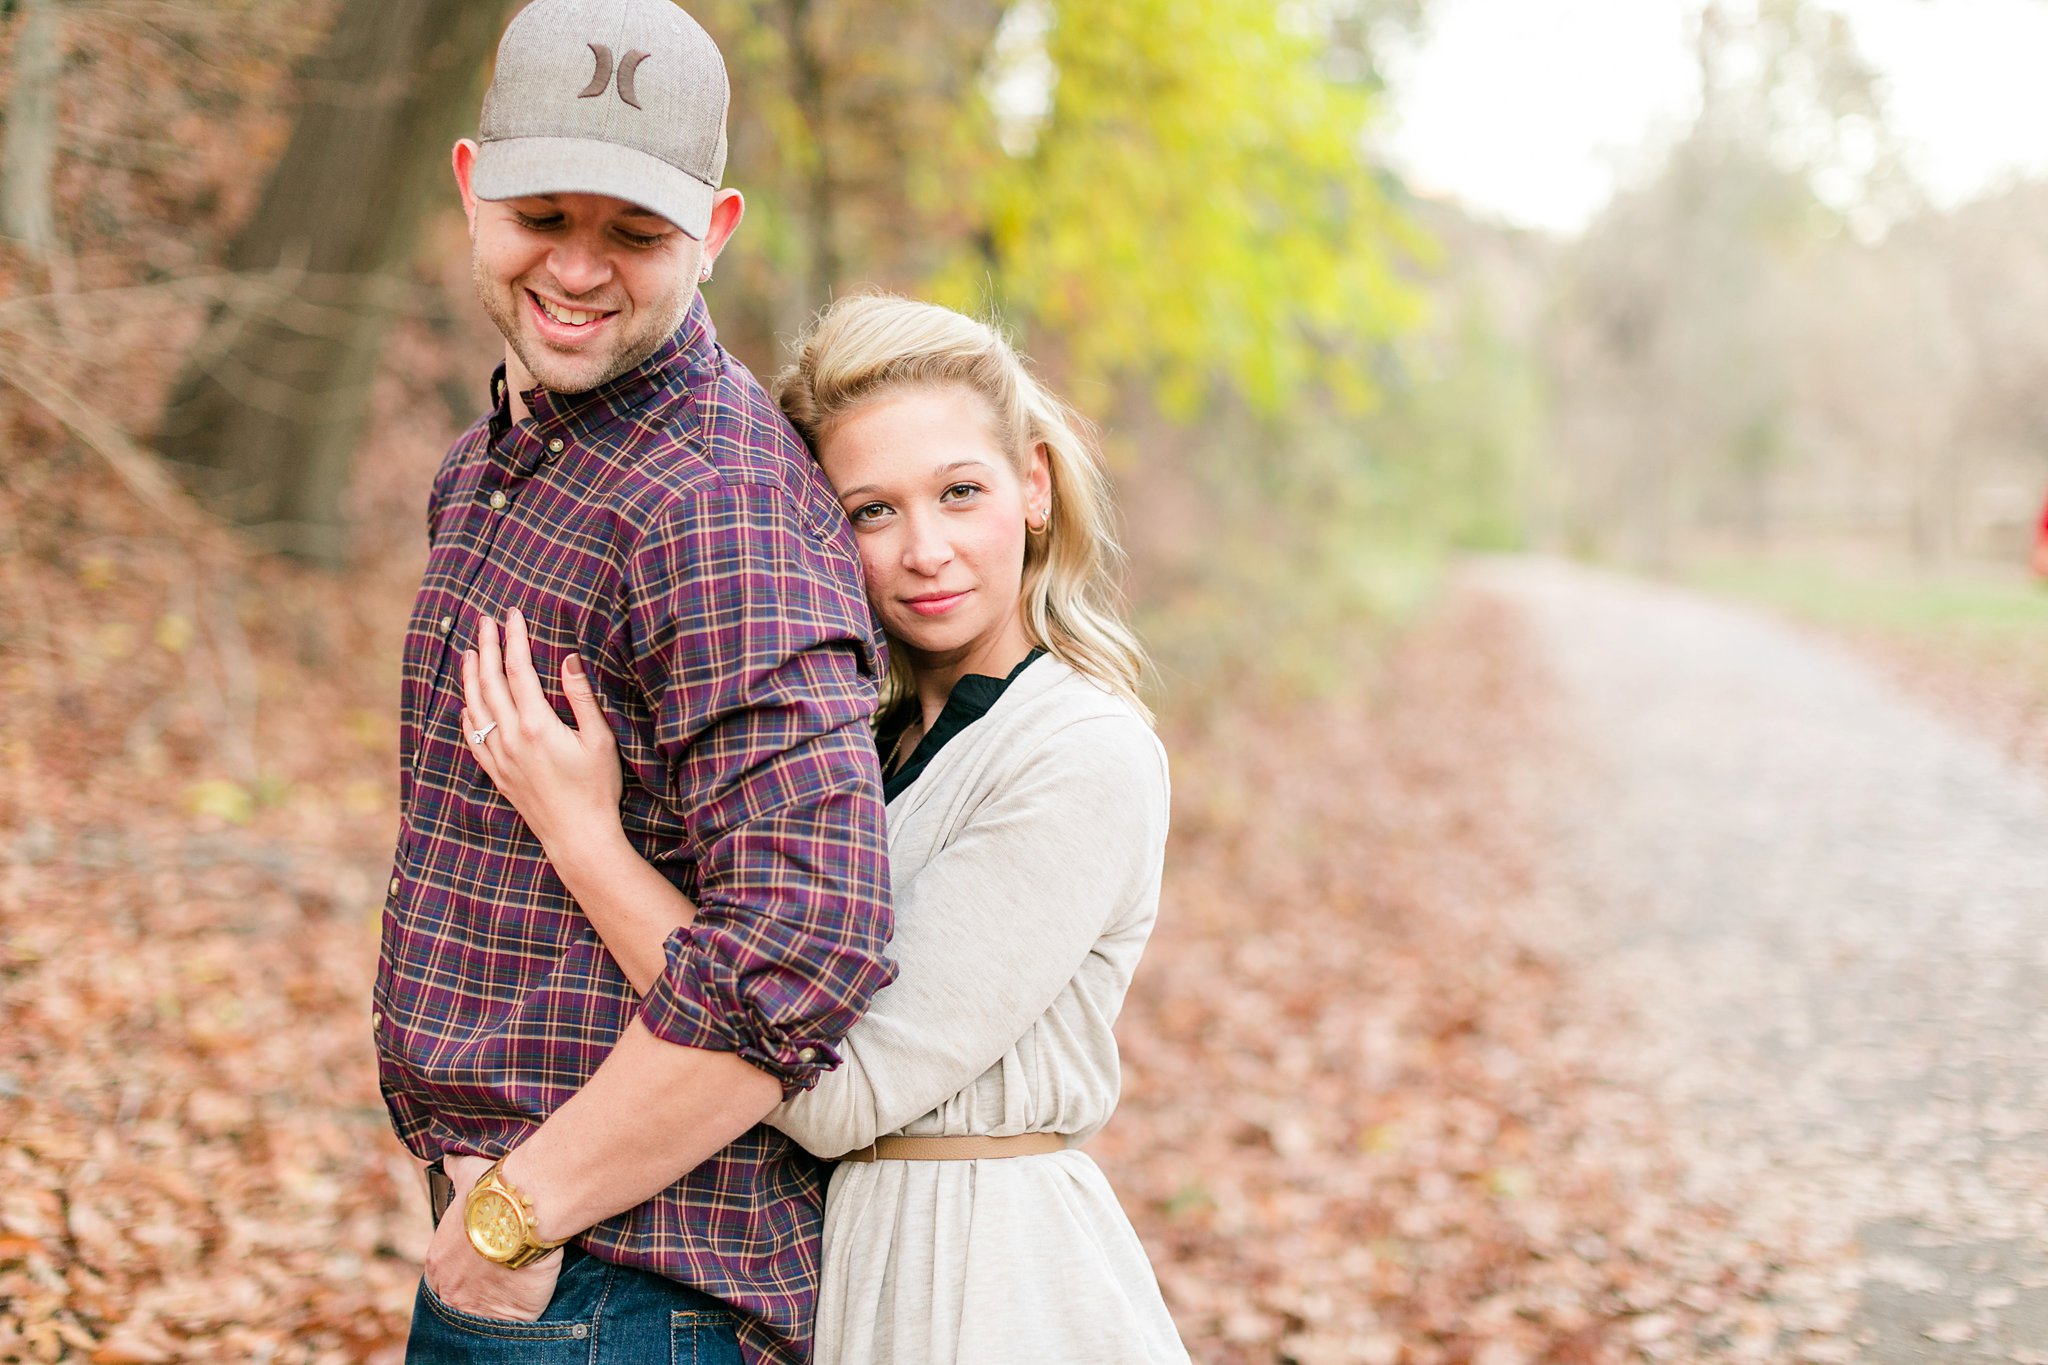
(464,1280)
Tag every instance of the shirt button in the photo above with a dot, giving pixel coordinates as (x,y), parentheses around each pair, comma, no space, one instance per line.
(555,446)
(498,500)
(394,886)
(447,624)
(809,1054)
(376,1019)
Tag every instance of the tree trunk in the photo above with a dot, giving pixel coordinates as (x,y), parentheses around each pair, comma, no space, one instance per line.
(808,76)
(31,153)
(267,413)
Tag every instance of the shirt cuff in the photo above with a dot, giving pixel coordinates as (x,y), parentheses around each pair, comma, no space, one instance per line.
(698,1002)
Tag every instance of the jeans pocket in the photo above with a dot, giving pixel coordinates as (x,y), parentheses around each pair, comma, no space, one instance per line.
(703,1336)
(445,1335)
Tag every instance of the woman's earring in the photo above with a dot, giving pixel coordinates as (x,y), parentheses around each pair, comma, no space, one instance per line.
(1043,524)
(704,273)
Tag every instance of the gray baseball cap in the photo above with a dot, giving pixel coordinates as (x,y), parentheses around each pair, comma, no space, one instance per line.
(618,97)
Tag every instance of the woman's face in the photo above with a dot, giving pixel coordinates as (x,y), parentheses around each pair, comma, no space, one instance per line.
(939,511)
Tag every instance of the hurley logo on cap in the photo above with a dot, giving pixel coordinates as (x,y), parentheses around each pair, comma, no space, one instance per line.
(603,76)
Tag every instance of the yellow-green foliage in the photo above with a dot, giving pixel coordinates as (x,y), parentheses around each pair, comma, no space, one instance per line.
(1196,210)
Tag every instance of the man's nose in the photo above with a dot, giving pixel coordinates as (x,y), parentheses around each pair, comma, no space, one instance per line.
(579,265)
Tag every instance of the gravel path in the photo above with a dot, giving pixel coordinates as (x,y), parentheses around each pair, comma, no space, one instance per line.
(1830,909)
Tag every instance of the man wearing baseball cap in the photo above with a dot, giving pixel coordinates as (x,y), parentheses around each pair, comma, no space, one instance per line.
(635,512)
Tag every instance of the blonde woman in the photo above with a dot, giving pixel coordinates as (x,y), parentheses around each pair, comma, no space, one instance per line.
(1027,812)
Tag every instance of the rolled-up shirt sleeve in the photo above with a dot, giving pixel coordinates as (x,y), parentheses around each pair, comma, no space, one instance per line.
(752,644)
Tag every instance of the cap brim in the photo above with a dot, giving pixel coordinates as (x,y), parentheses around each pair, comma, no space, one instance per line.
(513,168)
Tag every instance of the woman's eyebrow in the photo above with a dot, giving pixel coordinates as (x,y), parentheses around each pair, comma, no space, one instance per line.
(861,490)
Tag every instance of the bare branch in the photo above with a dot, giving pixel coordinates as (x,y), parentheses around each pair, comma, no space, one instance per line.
(135,466)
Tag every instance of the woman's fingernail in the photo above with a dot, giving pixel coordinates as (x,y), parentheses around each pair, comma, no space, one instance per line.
(574,663)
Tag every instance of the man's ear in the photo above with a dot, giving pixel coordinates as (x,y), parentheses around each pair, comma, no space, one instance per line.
(464,160)
(727,208)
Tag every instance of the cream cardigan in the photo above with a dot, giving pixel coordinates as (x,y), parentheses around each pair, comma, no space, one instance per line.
(1026,862)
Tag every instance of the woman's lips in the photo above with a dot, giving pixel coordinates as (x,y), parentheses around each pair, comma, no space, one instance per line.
(566,333)
(937,604)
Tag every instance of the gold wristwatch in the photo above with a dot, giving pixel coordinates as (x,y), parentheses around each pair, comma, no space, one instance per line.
(500,1222)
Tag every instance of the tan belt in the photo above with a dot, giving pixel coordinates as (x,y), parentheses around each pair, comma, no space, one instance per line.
(958,1148)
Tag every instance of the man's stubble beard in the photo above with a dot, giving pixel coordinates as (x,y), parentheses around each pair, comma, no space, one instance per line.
(505,312)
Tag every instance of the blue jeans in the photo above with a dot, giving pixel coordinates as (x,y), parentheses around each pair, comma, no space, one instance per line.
(601,1314)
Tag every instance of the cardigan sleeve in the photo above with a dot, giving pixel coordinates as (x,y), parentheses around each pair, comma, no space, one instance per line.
(995,926)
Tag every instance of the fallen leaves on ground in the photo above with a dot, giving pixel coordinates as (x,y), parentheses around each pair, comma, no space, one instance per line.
(197,803)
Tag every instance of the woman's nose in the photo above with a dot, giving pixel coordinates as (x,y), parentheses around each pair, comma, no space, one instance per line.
(927,550)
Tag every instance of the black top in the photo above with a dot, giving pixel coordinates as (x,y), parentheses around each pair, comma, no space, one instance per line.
(967,703)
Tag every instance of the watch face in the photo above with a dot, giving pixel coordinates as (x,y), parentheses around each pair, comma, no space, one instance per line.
(495,1227)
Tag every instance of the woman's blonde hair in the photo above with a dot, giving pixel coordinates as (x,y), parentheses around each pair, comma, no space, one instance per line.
(867,345)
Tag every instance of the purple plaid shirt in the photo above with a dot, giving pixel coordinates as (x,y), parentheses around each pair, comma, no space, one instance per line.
(671,527)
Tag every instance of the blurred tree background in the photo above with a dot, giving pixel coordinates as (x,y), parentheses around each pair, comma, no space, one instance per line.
(1172,206)
(1307,374)
(237,332)
(1771,339)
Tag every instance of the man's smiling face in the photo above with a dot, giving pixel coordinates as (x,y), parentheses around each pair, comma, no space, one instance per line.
(583,286)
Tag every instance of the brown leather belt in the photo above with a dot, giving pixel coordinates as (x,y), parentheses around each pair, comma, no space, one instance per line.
(958,1148)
